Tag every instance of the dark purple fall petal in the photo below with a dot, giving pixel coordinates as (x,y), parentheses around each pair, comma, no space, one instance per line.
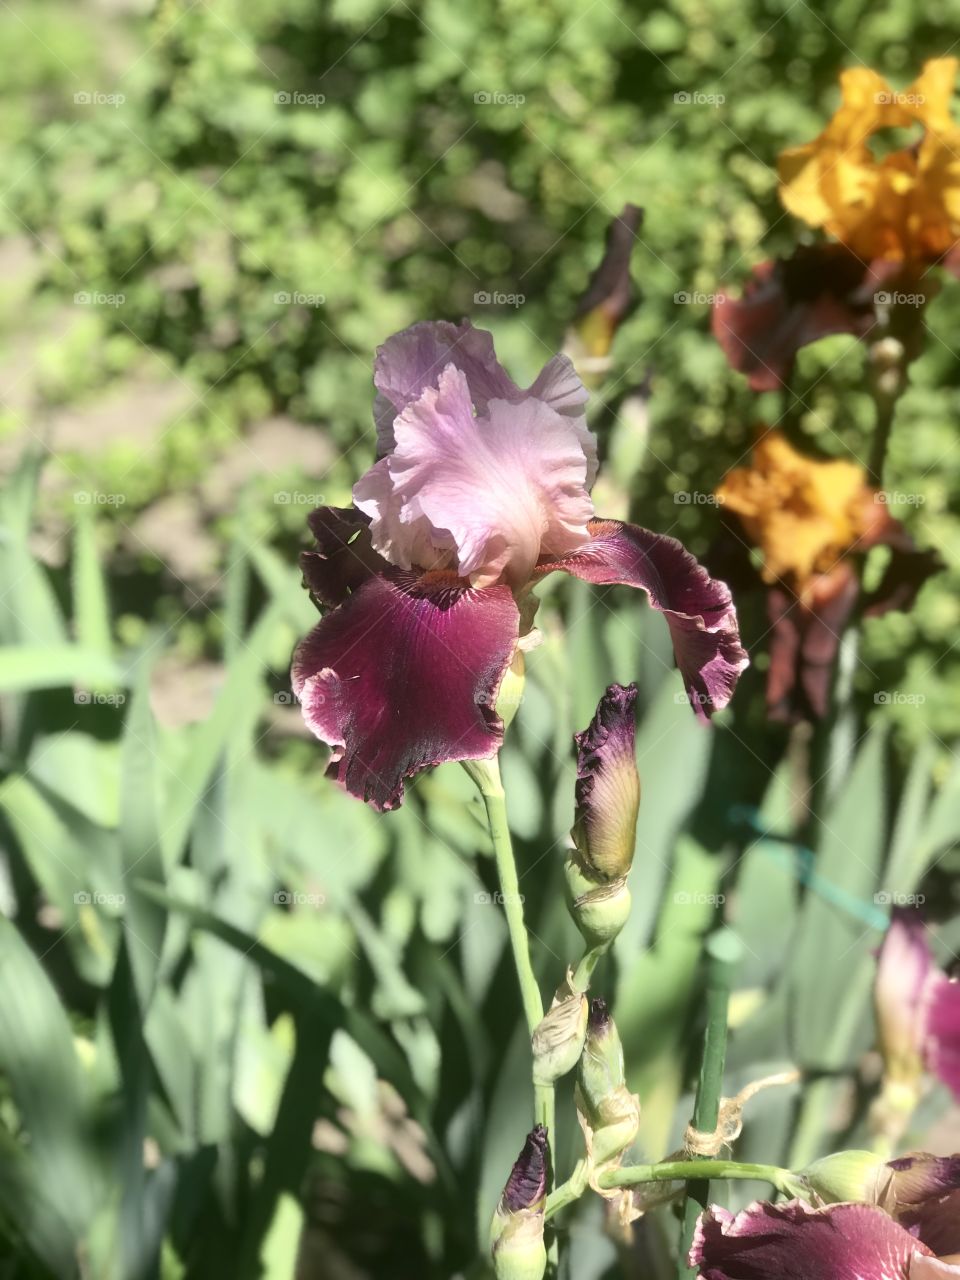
(343,557)
(941,1022)
(609,291)
(793,1241)
(527,1183)
(937,1224)
(790,302)
(804,638)
(608,785)
(698,609)
(404,675)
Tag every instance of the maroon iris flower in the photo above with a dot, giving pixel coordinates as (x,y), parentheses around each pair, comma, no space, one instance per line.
(481,488)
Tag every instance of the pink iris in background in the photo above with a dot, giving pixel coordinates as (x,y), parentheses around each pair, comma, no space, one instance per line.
(480,489)
(918,1007)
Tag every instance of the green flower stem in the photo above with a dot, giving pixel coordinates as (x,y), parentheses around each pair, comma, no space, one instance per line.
(588,962)
(785,1181)
(486,774)
(700,1169)
(568,1191)
(723,950)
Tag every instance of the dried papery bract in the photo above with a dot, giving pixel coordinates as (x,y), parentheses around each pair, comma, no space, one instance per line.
(558,1041)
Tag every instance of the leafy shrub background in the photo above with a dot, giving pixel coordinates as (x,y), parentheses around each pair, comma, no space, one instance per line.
(210,410)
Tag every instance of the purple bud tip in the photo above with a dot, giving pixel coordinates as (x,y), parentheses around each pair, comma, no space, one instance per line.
(614,713)
(528,1178)
(599,1016)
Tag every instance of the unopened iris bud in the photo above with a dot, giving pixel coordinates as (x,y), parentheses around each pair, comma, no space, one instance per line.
(606,302)
(905,971)
(605,821)
(558,1040)
(517,1228)
(609,1113)
(859,1176)
(608,787)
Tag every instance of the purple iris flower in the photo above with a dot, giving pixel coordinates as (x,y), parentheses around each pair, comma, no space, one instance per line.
(480,489)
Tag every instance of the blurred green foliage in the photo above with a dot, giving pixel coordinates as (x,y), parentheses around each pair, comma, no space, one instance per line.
(235,1004)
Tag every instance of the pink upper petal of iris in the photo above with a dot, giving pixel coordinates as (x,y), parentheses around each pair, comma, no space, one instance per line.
(413,360)
(486,494)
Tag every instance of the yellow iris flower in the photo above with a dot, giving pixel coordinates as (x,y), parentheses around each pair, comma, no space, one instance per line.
(803,514)
(903,207)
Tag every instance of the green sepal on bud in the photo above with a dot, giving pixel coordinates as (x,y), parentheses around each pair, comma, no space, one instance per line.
(557,1042)
(609,1113)
(848,1176)
(599,909)
(516,1233)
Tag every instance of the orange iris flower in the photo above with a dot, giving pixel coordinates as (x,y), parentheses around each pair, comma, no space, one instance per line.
(903,207)
(803,514)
